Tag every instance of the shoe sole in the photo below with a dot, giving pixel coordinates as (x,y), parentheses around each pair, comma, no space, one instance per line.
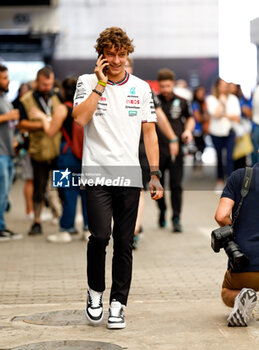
(16,237)
(116,325)
(162,225)
(58,242)
(12,235)
(5,239)
(94,322)
(177,228)
(243,309)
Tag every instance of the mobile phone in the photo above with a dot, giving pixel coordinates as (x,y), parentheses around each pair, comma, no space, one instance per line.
(105,70)
(154,193)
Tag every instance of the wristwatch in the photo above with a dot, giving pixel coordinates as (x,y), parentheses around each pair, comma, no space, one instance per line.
(158,173)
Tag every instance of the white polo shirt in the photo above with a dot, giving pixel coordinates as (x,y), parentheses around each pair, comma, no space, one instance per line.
(111,138)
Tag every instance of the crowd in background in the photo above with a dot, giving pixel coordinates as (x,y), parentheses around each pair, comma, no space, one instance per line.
(45,137)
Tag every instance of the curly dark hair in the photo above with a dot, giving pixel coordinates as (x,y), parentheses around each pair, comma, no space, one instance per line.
(114,37)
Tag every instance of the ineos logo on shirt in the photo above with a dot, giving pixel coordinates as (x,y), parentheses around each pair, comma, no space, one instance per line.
(132,102)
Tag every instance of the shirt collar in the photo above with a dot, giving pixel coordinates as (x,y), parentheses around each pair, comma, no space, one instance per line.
(122,82)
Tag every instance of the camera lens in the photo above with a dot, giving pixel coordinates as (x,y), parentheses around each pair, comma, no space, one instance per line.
(237,259)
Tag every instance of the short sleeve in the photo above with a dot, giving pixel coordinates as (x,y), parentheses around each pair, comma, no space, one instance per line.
(233,107)
(244,102)
(23,114)
(83,90)
(156,100)
(195,106)
(234,185)
(187,109)
(148,107)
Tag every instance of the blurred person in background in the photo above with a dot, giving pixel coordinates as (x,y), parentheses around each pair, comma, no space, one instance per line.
(224,111)
(201,116)
(27,173)
(129,65)
(245,125)
(24,87)
(181,89)
(255,119)
(7,117)
(177,111)
(67,159)
(165,127)
(43,150)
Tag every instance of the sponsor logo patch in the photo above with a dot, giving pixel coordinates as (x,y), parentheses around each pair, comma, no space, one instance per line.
(133,113)
(133,91)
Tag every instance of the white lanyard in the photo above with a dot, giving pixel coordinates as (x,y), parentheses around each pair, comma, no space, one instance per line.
(46,106)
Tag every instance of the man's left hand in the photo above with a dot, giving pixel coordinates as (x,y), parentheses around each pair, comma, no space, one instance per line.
(155,188)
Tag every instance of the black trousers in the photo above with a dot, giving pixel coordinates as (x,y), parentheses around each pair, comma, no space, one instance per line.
(176,175)
(103,204)
(200,143)
(40,178)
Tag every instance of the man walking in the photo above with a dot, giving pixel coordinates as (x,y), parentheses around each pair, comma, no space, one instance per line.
(112,105)
(179,115)
(7,116)
(43,150)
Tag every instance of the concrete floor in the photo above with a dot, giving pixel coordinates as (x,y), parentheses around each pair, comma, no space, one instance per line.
(175,296)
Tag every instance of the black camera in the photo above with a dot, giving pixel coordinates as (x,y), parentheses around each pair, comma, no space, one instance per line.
(223,237)
(189,148)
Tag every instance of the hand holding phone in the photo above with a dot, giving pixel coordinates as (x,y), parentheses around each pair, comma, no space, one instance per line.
(106,68)
(101,67)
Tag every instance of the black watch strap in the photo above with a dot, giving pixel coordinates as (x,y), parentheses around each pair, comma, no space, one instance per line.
(158,173)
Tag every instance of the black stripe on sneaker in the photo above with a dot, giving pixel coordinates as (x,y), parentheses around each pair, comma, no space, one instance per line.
(242,317)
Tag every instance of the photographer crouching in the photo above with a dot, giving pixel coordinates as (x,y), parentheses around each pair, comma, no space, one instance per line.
(237,214)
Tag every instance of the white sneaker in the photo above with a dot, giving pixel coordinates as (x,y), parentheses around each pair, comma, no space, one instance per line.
(46,215)
(4,236)
(245,302)
(61,237)
(116,318)
(94,307)
(29,216)
(12,235)
(79,218)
